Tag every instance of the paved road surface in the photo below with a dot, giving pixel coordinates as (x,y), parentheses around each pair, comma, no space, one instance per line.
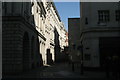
(62,70)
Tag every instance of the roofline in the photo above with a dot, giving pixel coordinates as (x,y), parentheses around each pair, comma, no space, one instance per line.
(56,10)
(74,18)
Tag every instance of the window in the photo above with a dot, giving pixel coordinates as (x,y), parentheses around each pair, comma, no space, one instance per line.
(87,56)
(103,16)
(117,14)
(86,20)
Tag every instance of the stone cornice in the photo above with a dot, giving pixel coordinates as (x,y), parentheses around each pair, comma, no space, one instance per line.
(99,29)
(42,8)
(56,11)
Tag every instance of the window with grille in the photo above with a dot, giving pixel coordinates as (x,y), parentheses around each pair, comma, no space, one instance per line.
(117,14)
(103,15)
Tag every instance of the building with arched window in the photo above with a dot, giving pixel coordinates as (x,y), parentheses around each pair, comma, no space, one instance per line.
(29,35)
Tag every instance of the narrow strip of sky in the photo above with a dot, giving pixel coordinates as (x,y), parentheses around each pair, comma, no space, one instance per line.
(62,0)
(85,0)
(68,10)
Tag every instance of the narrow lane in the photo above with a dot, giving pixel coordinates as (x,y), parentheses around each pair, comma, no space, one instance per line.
(62,70)
(59,70)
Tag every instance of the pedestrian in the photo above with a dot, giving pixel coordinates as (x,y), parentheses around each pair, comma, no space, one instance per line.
(115,67)
(107,66)
(73,66)
(70,57)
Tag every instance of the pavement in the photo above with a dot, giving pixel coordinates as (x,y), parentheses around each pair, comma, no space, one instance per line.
(60,71)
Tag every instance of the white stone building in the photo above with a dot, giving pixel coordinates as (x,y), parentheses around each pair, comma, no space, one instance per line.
(31,35)
(46,23)
(63,37)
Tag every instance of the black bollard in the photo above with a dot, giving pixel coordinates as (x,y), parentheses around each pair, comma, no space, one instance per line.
(73,68)
(82,72)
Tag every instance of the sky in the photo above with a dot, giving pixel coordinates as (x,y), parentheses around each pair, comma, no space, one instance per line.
(68,10)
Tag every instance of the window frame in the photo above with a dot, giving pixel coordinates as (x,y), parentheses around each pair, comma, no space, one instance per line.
(103,15)
(117,15)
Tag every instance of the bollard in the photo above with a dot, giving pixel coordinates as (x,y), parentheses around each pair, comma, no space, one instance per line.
(73,68)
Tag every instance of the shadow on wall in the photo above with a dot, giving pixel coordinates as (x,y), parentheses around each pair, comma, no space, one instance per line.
(49,57)
(20,39)
(26,52)
(36,57)
(60,56)
(39,56)
(63,57)
(57,45)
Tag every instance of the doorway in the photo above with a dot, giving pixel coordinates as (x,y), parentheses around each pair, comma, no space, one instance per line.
(108,47)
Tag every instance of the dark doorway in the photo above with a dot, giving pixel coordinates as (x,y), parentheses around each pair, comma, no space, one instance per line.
(49,57)
(26,51)
(108,47)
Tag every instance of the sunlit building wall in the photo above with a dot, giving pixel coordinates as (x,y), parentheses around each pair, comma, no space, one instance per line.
(48,19)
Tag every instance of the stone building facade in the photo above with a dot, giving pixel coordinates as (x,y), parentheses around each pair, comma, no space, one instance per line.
(74,30)
(74,37)
(66,38)
(100,32)
(29,35)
